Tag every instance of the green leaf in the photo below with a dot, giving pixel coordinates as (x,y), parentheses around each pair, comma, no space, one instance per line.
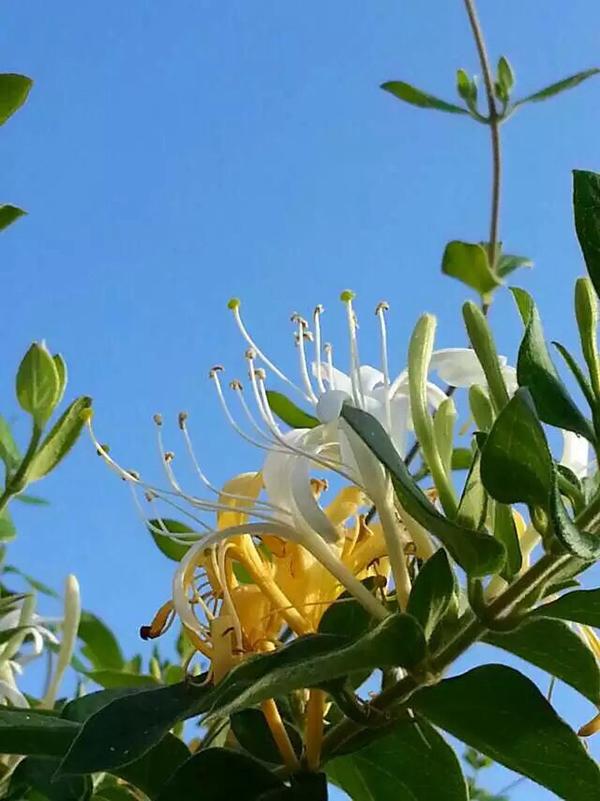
(481,408)
(470,264)
(171,549)
(346,616)
(31,500)
(222,775)
(554,647)
(501,713)
(432,592)
(506,76)
(515,461)
(580,606)
(7,528)
(120,678)
(586,207)
(413,763)
(559,86)
(63,435)
(128,727)
(536,371)
(505,530)
(37,773)
(82,708)
(27,732)
(578,373)
(287,411)
(9,214)
(33,582)
(416,97)
(398,641)
(478,553)
(153,770)
(252,732)
(9,450)
(508,263)
(578,542)
(13,93)
(37,383)
(102,647)
(472,509)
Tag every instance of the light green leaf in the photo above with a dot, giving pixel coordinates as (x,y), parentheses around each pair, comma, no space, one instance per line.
(416,97)
(470,264)
(501,713)
(287,411)
(433,592)
(13,93)
(559,86)
(580,606)
(169,547)
(554,647)
(38,383)
(9,450)
(101,645)
(9,214)
(472,509)
(506,531)
(413,763)
(508,263)
(34,583)
(7,527)
(536,371)
(60,440)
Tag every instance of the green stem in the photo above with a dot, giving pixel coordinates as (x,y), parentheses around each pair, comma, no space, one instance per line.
(17,482)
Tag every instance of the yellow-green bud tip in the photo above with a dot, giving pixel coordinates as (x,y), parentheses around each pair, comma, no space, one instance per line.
(233,304)
(347,296)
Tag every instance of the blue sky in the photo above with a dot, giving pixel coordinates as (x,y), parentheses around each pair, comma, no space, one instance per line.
(173,155)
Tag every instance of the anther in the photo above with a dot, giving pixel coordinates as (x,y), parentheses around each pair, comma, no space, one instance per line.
(234,303)
(169,456)
(102,450)
(250,354)
(218,368)
(383,306)
(182,419)
(347,296)
(236,385)
(158,419)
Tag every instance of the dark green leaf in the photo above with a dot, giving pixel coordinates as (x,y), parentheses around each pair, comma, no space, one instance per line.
(578,542)
(82,708)
(102,647)
(398,641)
(27,732)
(578,373)
(152,771)
(414,763)
(478,553)
(432,592)
(470,264)
(63,435)
(37,773)
(508,263)
(287,411)
(222,775)
(416,97)
(169,547)
(9,214)
(553,646)
(501,713)
(536,371)
(559,86)
(347,616)
(515,462)
(581,606)
(121,678)
(128,727)
(13,93)
(586,207)
(254,735)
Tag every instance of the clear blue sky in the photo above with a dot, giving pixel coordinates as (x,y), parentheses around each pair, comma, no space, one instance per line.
(173,155)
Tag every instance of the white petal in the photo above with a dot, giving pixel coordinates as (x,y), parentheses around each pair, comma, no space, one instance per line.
(329,405)
(458,367)
(401,423)
(308,515)
(435,395)
(575,453)
(370,378)
(335,378)
(12,694)
(510,379)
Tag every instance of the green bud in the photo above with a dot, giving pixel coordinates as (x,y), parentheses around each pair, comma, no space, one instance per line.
(419,356)
(481,407)
(38,383)
(483,345)
(586,312)
(506,75)
(443,430)
(467,89)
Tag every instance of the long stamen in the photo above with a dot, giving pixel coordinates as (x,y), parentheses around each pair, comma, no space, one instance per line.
(359,398)
(317,325)
(380,312)
(234,305)
(328,350)
(302,335)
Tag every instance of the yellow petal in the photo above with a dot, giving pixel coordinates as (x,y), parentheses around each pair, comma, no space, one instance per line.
(590,728)
(248,487)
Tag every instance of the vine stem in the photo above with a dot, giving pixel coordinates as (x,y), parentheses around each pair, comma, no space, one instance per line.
(493,122)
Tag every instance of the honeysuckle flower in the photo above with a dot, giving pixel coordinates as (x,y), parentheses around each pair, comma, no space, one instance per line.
(24,646)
